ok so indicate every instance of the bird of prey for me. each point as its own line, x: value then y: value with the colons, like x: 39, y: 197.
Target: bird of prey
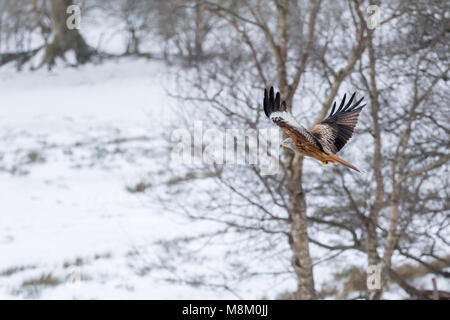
x: 326, y: 138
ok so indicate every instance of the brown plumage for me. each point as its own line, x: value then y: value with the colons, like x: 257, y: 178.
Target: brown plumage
x: 326, y: 138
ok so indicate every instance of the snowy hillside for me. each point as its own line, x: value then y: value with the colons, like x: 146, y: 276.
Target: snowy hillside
x: 71, y: 142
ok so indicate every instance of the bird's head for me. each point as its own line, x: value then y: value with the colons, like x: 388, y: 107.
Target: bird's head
x: 287, y: 143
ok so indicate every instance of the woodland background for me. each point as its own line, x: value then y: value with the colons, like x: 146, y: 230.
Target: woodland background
x: 86, y: 118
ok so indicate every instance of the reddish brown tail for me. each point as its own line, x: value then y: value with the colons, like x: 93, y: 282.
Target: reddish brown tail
x: 335, y: 158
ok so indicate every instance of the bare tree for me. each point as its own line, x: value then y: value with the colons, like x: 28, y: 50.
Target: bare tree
x: 17, y: 23
x: 185, y: 27
x: 135, y: 19
x: 64, y: 39
x: 318, y: 49
x: 273, y: 51
x: 409, y: 150
x: 46, y: 18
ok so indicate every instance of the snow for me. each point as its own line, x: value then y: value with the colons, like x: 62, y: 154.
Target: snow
x: 72, y: 140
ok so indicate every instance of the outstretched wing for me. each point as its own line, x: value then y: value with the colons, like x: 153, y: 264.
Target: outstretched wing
x: 334, y: 132
x: 275, y: 110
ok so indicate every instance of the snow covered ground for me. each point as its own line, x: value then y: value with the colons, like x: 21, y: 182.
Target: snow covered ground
x: 71, y: 141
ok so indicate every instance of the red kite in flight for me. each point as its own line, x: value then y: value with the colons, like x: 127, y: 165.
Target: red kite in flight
x: 325, y: 139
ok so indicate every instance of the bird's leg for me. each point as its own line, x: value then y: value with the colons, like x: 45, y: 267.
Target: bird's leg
x: 324, y: 162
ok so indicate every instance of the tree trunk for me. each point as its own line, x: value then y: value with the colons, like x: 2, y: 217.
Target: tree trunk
x: 64, y: 38
x: 198, y: 35
x: 391, y: 242
x: 133, y: 42
x: 298, y: 238
x: 372, y: 241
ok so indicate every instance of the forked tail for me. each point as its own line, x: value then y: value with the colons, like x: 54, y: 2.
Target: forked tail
x: 335, y: 158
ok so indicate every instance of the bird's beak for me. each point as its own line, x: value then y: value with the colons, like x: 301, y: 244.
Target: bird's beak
x: 283, y: 144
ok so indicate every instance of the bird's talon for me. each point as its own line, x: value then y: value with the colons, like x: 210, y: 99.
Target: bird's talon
x: 324, y: 163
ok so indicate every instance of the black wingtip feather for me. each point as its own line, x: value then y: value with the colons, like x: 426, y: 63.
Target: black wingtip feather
x: 348, y: 107
x: 359, y: 108
x: 350, y: 101
x: 277, y: 102
x: 272, y: 102
x: 356, y: 104
x: 271, y: 97
x: 266, y: 103
x: 342, y: 103
x: 332, y: 109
